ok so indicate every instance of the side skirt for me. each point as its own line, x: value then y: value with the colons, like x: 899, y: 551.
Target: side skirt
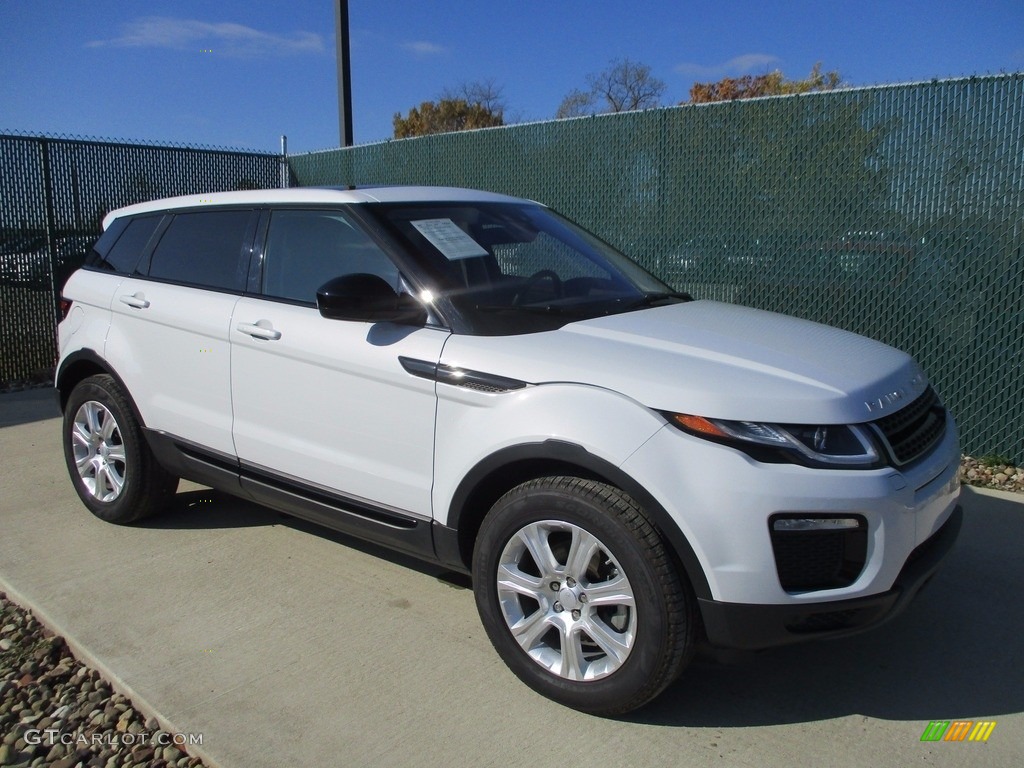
x: 387, y: 527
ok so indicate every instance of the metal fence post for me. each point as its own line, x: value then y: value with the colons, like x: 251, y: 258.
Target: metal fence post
x: 51, y: 231
x: 284, y: 162
x: 54, y: 193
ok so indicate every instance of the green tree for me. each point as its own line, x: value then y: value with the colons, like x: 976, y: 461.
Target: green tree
x: 470, y: 106
x: 769, y: 84
x: 624, y: 86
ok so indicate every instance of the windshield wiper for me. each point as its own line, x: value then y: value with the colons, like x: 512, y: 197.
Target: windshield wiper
x: 545, y: 309
x: 652, y: 298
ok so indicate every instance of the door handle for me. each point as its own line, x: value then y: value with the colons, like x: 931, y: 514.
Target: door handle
x: 138, y: 301
x: 261, y: 329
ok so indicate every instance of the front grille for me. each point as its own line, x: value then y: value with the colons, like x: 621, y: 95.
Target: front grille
x: 813, y: 560
x: 911, y: 432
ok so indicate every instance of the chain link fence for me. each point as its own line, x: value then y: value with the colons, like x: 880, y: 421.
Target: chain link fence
x: 54, y: 193
x: 896, y: 212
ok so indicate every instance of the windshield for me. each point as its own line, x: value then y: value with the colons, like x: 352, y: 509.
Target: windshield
x: 515, y: 267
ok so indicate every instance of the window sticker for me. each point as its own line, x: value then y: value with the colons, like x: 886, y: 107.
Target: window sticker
x: 449, y: 239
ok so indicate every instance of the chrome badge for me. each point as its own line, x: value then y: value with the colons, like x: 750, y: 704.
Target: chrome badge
x: 886, y: 400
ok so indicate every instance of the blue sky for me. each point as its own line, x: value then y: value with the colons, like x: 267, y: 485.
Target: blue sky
x: 240, y: 74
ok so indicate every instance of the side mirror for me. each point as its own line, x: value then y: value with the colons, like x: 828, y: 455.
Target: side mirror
x: 367, y: 298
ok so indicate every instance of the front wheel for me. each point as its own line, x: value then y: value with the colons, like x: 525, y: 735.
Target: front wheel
x: 579, y: 597
x: 110, y: 463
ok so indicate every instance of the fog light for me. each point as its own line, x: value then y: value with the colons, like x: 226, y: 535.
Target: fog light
x: 815, y: 523
x: 824, y: 552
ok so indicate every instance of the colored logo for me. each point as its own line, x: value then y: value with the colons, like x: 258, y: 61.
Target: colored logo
x: 958, y: 730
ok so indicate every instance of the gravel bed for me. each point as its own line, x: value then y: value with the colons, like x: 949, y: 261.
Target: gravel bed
x: 987, y: 473
x: 56, y: 712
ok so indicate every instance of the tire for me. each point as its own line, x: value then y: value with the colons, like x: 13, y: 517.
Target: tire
x: 579, y: 596
x: 110, y: 463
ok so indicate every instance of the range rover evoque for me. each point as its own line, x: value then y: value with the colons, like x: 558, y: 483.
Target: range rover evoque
x: 473, y: 379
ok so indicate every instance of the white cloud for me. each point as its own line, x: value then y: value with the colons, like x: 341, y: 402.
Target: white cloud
x: 739, y: 65
x: 225, y: 38
x: 424, y: 48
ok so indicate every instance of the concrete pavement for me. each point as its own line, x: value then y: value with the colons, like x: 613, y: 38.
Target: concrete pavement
x: 285, y: 644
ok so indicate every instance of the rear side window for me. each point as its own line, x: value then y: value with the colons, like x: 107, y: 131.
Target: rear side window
x: 305, y: 249
x: 204, y: 249
x: 122, y: 245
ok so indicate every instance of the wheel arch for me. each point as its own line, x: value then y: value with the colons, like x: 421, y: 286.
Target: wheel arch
x: 81, y: 365
x: 492, y: 477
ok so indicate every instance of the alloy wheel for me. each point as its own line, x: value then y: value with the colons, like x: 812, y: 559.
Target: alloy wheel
x: 99, y: 452
x: 566, y: 600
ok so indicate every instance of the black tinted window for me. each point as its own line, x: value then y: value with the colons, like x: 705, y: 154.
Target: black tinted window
x: 204, y: 249
x: 305, y: 249
x: 122, y: 244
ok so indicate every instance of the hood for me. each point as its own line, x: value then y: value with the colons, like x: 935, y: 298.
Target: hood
x: 710, y: 359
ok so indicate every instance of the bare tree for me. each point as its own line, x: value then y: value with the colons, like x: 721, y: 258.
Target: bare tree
x: 576, y: 104
x: 624, y: 86
x: 483, y: 93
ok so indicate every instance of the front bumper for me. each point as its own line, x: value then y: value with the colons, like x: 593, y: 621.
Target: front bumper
x: 723, y: 503
x: 750, y: 627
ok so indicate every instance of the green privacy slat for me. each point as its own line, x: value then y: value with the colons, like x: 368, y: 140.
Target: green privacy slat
x: 896, y: 212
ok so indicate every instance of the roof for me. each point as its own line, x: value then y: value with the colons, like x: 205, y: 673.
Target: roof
x: 314, y: 195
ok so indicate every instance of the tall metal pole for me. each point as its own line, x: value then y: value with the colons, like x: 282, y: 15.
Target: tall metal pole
x: 344, y: 73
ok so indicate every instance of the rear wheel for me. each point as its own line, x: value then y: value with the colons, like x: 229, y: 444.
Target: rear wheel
x: 110, y: 463
x: 579, y: 596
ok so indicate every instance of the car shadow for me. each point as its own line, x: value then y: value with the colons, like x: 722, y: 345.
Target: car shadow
x: 209, y: 509
x: 206, y: 508
x: 28, y: 405
x: 956, y: 652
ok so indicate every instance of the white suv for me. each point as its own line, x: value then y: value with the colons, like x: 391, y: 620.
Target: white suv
x: 473, y: 379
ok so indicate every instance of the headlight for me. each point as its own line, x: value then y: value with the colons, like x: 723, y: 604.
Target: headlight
x: 835, y: 445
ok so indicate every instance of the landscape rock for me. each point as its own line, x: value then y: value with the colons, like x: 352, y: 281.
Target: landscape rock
x: 988, y: 473
x: 43, y: 686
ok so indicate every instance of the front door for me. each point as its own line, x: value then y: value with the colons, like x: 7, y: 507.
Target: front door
x: 326, y: 404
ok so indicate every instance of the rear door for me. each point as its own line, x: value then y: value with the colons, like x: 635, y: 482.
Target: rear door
x: 169, y: 332
x: 324, y: 407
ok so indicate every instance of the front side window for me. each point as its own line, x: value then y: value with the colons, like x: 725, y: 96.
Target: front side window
x: 204, y: 249
x: 305, y: 249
